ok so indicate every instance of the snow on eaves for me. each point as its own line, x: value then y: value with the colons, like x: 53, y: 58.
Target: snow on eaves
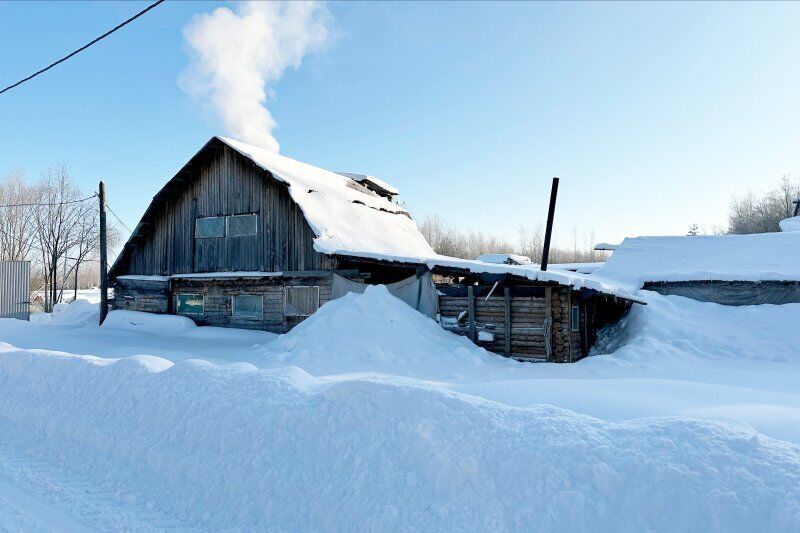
x: 531, y: 272
x: 509, y: 259
x: 756, y: 257
x: 345, y: 220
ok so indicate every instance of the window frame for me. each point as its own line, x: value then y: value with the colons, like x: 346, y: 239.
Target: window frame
x: 575, y: 319
x: 286, y: 290
x: 178, y: 304
x: 260, y: 316
x: 197, y: 225
x: 227, y: 225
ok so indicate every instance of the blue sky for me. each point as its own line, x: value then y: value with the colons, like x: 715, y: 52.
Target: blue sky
x: 653, y: 115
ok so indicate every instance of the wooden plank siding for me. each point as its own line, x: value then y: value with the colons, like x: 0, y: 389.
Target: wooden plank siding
x: 225, y: 184
x: 523, y: 336
x: 218, y: 296
x: 527, y: 319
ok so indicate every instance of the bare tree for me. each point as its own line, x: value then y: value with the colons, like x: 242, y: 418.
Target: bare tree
x: 469, y: 244
x: 16, y: 218
x: 751, y: 213
x: 58, y: 222
x: 87, y: 240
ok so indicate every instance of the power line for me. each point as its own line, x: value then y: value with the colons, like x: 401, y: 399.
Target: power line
x: 118, y: 219
x: 84, y: 47
x: 39, y: 249
x: 68, y: 202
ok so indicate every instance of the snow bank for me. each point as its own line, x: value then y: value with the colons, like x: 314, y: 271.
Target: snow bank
x: 233, y: 447
x: 674, y: 327
x: 77, y: 313
x: 149, y: 323
x: 376, y: 332
x: 790, y: 224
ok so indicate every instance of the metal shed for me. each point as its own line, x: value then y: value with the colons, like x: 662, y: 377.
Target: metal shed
x: 15, y: 278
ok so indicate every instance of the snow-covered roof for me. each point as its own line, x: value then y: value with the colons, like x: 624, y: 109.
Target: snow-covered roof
x: 756, y: 257
x: 790, y: 224
x: 532, y: 272
x: 346, y: 220
x: 582, y: 268
x: 372, y: 180
x: 509, y: 259
x: 605, y: 247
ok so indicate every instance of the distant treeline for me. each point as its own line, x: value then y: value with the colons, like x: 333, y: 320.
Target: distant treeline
x: 750, y: 213
x: 760, y: 213
x: 449, y: 240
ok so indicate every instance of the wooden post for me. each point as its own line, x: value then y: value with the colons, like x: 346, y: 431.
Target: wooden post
x: 103, y: 255
x: 471, y: 311
x: 507, y: 309
x: 549, y: 228
x: 548, y: 313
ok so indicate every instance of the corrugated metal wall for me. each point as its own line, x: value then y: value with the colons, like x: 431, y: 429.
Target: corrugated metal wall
x: 15, y: 278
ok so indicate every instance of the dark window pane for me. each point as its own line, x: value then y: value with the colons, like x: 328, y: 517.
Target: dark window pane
x: 191, y: 304
x: 248, y: 306
x: 242, y: 225
x: 301, y: 301
x: 209, y: 227
x: 576, y: 318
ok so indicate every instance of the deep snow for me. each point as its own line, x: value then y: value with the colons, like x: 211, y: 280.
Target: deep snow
x: 369, y: 416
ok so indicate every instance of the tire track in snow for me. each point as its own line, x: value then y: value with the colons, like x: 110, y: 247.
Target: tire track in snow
x: 34, y: 497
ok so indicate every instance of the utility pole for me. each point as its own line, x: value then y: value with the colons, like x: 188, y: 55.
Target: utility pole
x: 549, y: 229
x: 103, y: 255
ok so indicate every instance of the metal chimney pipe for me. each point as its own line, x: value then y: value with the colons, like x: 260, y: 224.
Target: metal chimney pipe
x: 549, y: 230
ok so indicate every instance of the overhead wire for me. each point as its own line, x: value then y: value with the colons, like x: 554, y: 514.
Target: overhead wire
x: 82, y: 48
x: 50, y: 204
x: 118, y: 219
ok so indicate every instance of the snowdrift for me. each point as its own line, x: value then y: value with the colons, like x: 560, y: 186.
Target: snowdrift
x: 674, y: 327
x: 376, y: 332
x: 149, y: 322
x: 234, y: 447
x: 77, y: 313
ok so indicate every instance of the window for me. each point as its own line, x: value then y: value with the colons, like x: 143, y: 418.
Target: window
x: 247, y: 306
x: 242, y: 225
x: 301, y: 301
x: 576, y: 318
x: 209, y: 227
x: 191, y: 304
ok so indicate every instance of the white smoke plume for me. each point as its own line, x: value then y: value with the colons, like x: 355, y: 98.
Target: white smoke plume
x: 237, y: 55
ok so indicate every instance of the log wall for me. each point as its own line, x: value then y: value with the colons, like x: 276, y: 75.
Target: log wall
x: 161, y: 297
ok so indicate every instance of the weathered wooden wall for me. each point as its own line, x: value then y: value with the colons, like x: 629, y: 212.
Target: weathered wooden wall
x: 157, y: 297
x: 219, y: 293
x: 141, y: 295
x: 224, y: 183
x: 528, y: 312
x: 731, y: 292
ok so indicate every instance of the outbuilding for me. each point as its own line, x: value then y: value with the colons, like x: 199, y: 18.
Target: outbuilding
x: 244, y: 237
x: 761, y: 268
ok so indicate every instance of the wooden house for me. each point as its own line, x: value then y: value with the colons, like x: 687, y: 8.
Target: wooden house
x: 243, y: 237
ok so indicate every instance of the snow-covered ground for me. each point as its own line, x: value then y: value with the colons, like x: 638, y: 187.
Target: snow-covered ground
x: 370, y: 416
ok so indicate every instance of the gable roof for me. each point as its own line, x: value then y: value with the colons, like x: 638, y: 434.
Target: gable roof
x: 756, y: 257
x: 345, y: 217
